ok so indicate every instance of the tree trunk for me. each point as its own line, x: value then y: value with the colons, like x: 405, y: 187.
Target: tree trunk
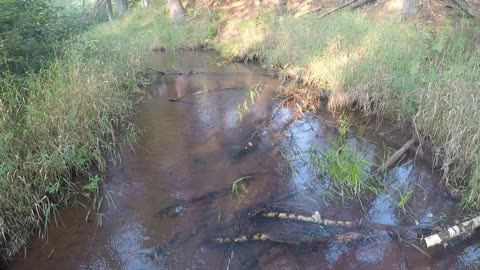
x: 122, y: 7
x: 144, y: 3
x: 410, y: 8
x: 98, y: 3
x: 177, y: 12
x: 109, y: 10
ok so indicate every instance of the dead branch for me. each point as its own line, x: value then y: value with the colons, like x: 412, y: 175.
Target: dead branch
x: 468, y: 226
x: 397, y: 155
x: 466, y: 8
x: 338, y: 8
x: 179, y: 100
x: 362, y: 3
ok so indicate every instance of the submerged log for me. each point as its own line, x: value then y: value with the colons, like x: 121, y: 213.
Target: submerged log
x: 468, y: 226
x: 160, y: 73
x: 346, y: 237
x: 178, y: 208
x: 315, y: 218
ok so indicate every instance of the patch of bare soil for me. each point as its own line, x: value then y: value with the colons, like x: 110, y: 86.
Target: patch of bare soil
x: 429, y: 12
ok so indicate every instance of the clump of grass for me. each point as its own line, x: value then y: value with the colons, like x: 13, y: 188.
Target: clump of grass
x: 238, y: 187
x: 401, y: 198
x: 348, y: 171
x: 57, y: 123
x: 344, y: 126
x: 250, y: 99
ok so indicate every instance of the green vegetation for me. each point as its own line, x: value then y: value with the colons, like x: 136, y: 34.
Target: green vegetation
x: 32, y: 32
x: 237, y: 186
x: 57, y: 122
x: 348, y: 170
x: 393, y: 69
x: 403, y: 199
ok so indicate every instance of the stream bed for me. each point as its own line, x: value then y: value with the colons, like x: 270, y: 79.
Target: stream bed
x: 222, y: 148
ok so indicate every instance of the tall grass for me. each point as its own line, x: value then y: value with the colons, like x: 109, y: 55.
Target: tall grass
x: 393, y: 70
x: 59, y: 122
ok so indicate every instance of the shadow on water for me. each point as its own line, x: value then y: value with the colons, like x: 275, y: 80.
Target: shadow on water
x: 204, y: 141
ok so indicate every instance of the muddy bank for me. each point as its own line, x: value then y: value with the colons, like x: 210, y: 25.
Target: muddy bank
x: 211, y: 139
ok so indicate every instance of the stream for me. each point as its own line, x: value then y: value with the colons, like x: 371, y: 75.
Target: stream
x: 173, y: 191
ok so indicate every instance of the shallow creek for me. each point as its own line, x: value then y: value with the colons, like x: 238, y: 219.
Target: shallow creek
x: 204, y: 142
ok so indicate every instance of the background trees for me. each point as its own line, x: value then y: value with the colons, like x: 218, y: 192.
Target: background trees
x: 32, y: 31
x: 177, y: 12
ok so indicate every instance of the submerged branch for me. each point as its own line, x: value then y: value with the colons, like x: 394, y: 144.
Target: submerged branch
x: 177, y: 208
x: 194, y: 72
x: 395, y: 157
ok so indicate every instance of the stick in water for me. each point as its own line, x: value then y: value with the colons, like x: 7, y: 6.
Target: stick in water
x: 397, y: 155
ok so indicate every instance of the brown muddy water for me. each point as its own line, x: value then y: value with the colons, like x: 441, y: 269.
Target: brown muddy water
x: 201, y: 145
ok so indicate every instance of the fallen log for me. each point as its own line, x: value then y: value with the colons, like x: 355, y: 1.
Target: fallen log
x: 409, y: 233
x: 362, y: 3
x: 338, y: 8
x: 468, y: 226
x: 396, y: 156
x: 466, y: 8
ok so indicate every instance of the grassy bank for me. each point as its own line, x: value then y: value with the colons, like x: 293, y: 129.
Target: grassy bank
x: 392, y: 70
x: 59, y: 122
